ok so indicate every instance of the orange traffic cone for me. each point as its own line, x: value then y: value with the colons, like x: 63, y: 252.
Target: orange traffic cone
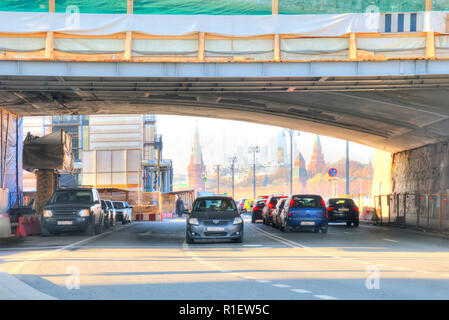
x: 20, y: 230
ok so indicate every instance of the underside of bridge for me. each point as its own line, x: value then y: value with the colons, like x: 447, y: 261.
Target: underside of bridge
x: 392, y: 113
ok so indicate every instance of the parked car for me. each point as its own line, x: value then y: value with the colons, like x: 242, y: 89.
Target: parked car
x: 130, y: 211
x: 343, y: 210
x: 214, y: 217
x: 256, y: 212
x: 268, y: 209
x: 73, y: 209
x: 304, y: 211
x: 122, y: 211
x: 241, y: 204
x: 276, y: 214
x: 109, y: 213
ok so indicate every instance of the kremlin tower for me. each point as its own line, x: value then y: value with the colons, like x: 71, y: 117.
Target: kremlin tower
x: 196, y: 169
x: 317, y: 164
x: 300, y: 164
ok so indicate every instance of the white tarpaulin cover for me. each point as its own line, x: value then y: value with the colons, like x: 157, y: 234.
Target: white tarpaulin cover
x: 229, y: 25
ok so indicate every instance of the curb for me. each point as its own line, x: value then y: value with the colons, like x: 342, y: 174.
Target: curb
x: 12, y: 288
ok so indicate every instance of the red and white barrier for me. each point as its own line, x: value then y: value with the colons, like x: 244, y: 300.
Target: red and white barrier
x: 28, y: 226
x: 369, y: 214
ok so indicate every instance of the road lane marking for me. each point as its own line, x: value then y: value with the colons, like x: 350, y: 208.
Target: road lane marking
x: 280, y: 285
x: 390, y: 240
x: 301, y: 291
x: 263, y: 281
x: 18, y: 269
x: 324, y: 297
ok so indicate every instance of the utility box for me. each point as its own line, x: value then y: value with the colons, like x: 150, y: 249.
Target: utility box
x: 50, y: 152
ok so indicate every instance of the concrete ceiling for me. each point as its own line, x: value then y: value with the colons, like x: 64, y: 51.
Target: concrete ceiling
x: 392, y: 113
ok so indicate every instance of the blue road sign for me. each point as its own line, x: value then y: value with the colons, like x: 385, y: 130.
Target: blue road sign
x: 332, y: 172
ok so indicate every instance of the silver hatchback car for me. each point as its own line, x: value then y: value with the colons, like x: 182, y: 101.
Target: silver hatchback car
x: 214, y: 217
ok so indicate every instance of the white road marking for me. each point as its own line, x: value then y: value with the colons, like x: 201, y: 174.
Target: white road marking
x: 324, y: 297
x: 263, y: 281
x: 395, y: 241
x: 19, y: 267
x: 280, y: 285
x: 301, y: 291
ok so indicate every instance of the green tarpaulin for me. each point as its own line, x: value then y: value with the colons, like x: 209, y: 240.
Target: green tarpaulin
x: 224, y: 7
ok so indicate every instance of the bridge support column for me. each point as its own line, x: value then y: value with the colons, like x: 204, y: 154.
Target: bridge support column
x: 46, y: 183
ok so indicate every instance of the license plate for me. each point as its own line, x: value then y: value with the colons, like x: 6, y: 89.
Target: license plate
x: 65, y: 223
x: 343, y: 210
x: 307, y: 223
x: 215, y: 229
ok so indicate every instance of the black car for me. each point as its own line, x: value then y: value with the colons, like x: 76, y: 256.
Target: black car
x: 343, y: 210
x: 256, y: 212
x: 214, y: 217
x: 267, y: 213
x: 73, y: 209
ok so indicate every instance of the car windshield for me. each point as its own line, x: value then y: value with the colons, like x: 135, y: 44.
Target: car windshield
x: 71, y: 196
x: 341, y: 203
x: 306, y: 202
x: 118, y: 205
x: 214, y: 205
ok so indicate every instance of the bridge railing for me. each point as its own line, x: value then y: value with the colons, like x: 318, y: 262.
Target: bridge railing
x: 408, y: 39
x: 417, y: 210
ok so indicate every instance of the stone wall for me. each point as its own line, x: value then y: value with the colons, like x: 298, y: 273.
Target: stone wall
x: 423, y: 170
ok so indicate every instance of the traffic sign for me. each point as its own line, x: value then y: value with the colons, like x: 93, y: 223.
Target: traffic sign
x: 332, y: 172
x: 204, y: 179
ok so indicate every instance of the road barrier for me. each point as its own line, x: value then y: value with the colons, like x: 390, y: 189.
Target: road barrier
x: 28, y: 226
x: 148, y: 217
x: 422, y: 211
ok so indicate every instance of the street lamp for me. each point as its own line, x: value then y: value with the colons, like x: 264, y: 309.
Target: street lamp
x: 254, y: 150
x: 291, y: 132
x: 233, y: 160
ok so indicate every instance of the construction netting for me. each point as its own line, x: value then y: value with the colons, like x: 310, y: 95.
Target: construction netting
x: 11, y: 157
x: 220, y: 7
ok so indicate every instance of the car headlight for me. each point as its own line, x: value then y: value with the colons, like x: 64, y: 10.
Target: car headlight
x: 48, y: 213
x: 193, y: 221
x: 238, y: 220
x: 84, y: 213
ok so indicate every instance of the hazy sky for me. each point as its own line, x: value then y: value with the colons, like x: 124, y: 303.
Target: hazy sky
x: 221, y: 138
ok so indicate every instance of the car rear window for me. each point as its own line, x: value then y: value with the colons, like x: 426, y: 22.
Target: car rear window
x: 341, y: 203
x: 214, y: 205
x: 71, y: 196
x: 118, y: 205
x: 306, y: 202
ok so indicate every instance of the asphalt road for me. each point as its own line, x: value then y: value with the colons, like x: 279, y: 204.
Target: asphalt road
x: 150, y: 260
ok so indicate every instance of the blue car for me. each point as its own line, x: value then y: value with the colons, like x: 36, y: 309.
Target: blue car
x: 304, y: 212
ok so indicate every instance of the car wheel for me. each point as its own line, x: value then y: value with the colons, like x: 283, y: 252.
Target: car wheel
x: 99, y: 227
x: 253, y: 219
x: 348, y: 224
x: 324, y: 230
x: 44, y: 231
x: 189, y: 240
x: 90, y: 230
x: 239, y: 240
x: 356, y: 223
x: 123, y: 220
x: 287, y: 228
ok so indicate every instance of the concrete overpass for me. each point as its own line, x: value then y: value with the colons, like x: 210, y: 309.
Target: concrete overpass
x: 376, y: 78
x: 390, y: 105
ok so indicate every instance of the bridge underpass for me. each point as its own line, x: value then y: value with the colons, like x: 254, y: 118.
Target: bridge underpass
x: 355, y: 101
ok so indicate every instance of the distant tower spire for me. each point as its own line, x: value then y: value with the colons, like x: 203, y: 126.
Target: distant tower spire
x: 317, y: 163
x: 196, y: 169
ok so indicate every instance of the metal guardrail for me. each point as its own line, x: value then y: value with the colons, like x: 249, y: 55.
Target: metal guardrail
x: 423, y: 211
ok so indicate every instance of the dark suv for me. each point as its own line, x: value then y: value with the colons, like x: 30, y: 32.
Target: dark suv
x: 73, y: 209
